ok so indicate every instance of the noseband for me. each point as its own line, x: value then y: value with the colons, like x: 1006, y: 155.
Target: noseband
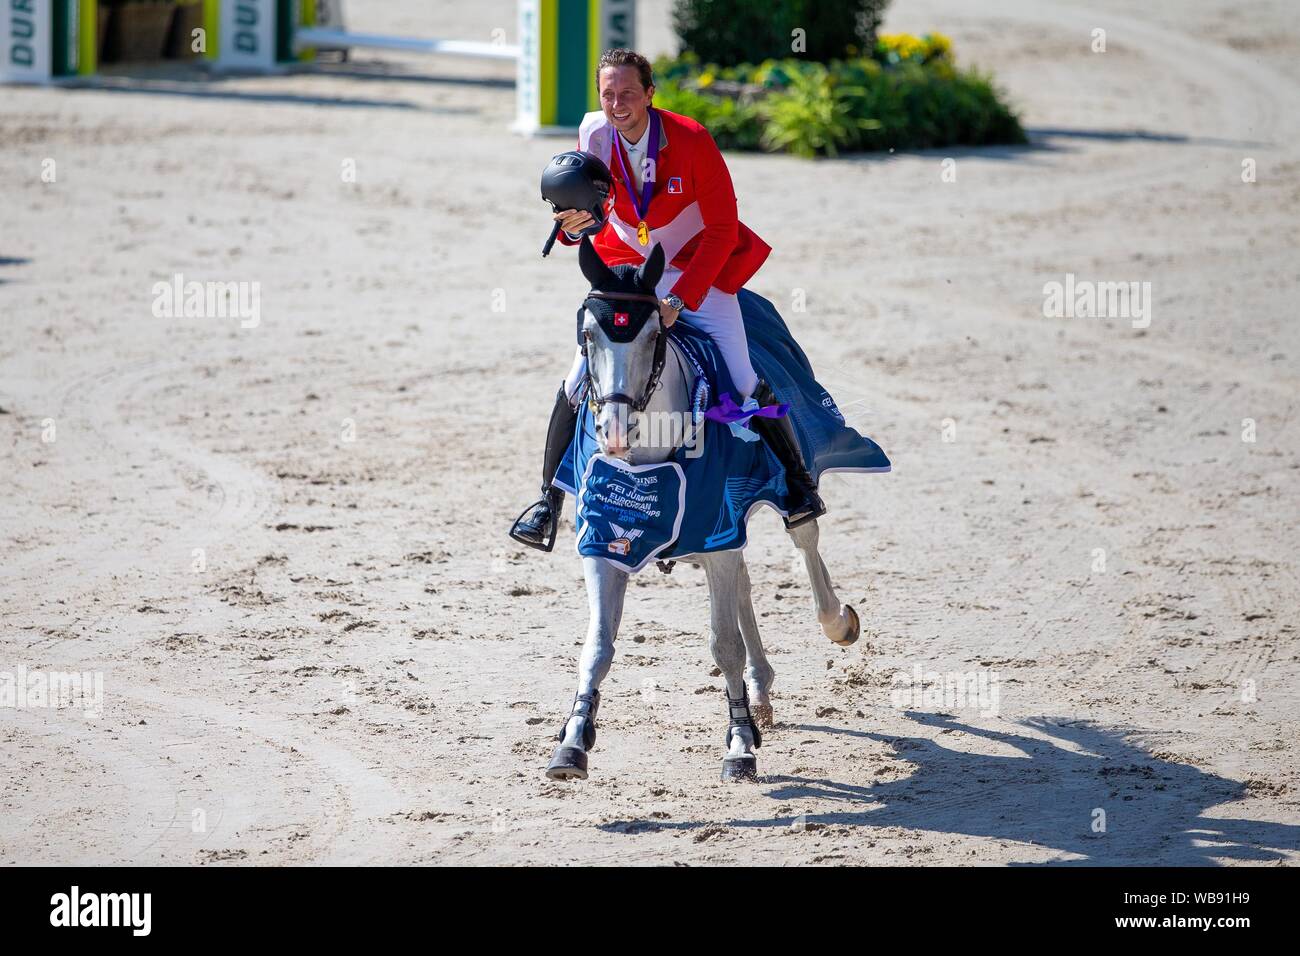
x: 597, y: 402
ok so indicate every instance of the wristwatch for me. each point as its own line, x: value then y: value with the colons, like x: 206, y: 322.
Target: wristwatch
x: 675, y: 302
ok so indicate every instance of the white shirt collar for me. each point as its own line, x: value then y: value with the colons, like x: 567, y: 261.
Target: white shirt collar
x: 631, y: 146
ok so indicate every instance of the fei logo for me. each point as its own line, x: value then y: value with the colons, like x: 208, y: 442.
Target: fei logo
x: 103, y: 909
x: 828, y: 403
x: 675, y: 185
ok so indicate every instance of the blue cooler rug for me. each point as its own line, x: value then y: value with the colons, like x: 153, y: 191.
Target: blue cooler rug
x: 694, y: 503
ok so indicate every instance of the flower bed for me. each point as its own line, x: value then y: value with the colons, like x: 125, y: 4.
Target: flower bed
x: 908, y: 95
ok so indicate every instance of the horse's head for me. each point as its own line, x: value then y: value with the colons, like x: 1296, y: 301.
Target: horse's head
x: 624, y: 342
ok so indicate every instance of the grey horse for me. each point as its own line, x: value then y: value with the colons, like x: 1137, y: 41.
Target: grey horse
x: 630, y: 382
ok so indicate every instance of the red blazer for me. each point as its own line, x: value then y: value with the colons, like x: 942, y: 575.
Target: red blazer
x: 692, y: 210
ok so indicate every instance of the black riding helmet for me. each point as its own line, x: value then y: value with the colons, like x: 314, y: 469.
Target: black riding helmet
x: 578, y: 180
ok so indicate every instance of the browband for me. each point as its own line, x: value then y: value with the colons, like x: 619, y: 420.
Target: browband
x: 633, y: 296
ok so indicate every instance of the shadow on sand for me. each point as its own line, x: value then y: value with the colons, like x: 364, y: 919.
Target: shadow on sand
x: 11, y: 261
x: 1045, y: 141
x: 1044, y: 795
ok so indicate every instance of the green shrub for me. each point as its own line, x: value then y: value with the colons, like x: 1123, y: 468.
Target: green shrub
x: 733, y: 123
x: 750, y: 31
x: 912, y: 97
x: 814, y: 115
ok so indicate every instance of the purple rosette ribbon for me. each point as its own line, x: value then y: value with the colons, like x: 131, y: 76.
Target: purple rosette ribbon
x: 734, y: 416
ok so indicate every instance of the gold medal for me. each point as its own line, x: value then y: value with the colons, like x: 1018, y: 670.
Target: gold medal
x: 643, y: 233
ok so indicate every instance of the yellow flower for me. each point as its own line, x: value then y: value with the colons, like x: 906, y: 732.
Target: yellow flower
x: 905, y: 45
x: 939, y: 44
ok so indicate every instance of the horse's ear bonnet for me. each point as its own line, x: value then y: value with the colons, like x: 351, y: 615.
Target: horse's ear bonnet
x: 621, y: 319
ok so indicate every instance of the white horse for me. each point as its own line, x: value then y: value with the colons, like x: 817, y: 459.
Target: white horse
x: 628, y: 382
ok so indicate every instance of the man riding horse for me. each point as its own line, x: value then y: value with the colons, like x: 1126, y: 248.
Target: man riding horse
x: 673, y: 190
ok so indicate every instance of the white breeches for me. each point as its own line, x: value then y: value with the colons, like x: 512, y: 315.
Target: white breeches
x: 718, y: 317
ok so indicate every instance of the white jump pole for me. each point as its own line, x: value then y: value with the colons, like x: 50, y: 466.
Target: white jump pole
x: 328, y: 37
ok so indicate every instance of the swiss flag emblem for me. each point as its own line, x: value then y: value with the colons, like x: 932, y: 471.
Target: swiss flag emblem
x: 620, y: 320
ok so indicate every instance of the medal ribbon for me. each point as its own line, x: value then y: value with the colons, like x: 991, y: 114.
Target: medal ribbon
x: 641, y: 204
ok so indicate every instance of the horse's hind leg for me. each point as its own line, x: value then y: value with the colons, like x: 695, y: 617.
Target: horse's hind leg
x: 839, y: 621
x: 758, y: 672
x: 723, y: 571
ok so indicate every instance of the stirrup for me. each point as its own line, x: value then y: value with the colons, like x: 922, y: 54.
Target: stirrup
x: 814, y: 510
x: 584, y: 706
x: 545, y: 542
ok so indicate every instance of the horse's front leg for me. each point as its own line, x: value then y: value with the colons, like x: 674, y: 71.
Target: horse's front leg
x: 606, y: 588
x: 839, y: 621
x: 723, y: 570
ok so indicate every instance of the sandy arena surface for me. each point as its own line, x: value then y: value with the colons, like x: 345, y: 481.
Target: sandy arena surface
x: 368, y: 671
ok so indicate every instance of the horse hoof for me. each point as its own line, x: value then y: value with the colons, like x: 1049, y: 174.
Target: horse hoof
x: 854, y: 632
x: 740, y: 769
x: 568, y: 763
x: 762, y: 714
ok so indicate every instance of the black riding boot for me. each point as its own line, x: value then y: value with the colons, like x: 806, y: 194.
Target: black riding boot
x: 778, y: 434
x: 538, y: 525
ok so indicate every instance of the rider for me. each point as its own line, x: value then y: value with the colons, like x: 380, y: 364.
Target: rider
x: 673, y: 188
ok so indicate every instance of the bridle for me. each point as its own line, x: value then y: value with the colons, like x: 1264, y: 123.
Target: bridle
x: 597, y: 402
